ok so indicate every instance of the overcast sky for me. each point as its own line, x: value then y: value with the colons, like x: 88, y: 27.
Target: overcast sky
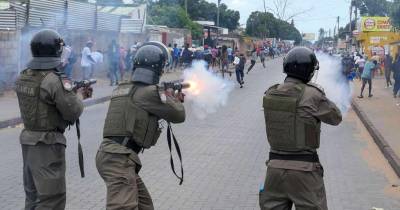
x: 322, y: 15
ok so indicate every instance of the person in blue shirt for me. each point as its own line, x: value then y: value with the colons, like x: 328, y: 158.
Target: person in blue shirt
x: 175, y: 56
x: 366, y: 77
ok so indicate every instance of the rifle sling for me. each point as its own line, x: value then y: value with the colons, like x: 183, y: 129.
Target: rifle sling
x: 80, y: 151
x: 178, y: 151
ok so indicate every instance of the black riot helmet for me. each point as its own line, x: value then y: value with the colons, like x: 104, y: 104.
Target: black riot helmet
x: 47, y: 43
x: 46, y: 48
x: 300, y: 63
x: 149, y: 61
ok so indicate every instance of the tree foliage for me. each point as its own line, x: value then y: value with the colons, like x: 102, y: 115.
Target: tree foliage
x: 395, y: 14
x: 263, y: 25
x: 373, y: 7
x: 203, y: 10
x: 173, y: 17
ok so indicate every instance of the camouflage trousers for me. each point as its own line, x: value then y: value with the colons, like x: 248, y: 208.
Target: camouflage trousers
x: 125, y: 188
x: 284, y: 188
x: 44, y: 176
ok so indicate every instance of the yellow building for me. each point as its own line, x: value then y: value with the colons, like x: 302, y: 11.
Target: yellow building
x: 377, y: 36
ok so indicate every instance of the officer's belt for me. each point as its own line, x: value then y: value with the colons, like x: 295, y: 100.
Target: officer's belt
x: 127, y: 142
x: 303, y: 157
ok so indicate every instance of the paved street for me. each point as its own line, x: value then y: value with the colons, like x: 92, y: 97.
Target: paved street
x: 224, y: 160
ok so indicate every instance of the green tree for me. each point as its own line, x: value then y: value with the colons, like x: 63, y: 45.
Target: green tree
x: 263, y: 25
x: 174, y: 17
x: 204, y: 10
x: 395, y: 14
x: 373, y: 7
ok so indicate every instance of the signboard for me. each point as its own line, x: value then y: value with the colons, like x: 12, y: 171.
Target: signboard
x: 375, y: 24
x: 308, y: 36
x: 377, y: 39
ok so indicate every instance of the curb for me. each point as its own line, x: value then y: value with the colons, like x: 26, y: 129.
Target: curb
x: 15, y: 121
x: 387, y: 151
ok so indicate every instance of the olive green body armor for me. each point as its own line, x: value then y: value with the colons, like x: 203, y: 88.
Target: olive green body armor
x: 286, y: 131
x: 35, y: 113
x: 125, y: 118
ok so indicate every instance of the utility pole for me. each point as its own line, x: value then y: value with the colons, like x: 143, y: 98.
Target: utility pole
x: 350, y: 25
x: 265, y: 8
x: 186, y: 7
x: 219, y: 2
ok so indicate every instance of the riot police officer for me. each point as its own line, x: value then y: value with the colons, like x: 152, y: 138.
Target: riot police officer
x: 132, y: 124
x: 293, y: 112
x: 48, y: 106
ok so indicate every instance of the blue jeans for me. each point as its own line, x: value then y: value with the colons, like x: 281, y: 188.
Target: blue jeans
x: 68, y: 71
x: 396, y: 87
x: 114, y: 74
x: 86, y: 72
x: 239, y: 75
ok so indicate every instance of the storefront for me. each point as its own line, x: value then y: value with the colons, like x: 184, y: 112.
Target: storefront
x: 376, y: 35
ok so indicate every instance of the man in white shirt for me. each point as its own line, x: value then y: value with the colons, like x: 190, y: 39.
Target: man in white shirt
x: 87, y: 61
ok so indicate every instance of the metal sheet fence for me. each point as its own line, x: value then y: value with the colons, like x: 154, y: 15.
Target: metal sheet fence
x: 81, y: 16
x: 67, y: 14
x: 8, y: 20
x: 108, y: 22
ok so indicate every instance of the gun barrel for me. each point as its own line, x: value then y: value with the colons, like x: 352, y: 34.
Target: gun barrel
x: 185, y: 85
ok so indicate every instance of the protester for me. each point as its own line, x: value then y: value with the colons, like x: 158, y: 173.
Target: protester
x: 271, y: 52
x: 377, y: 58
x: 224, y: 59
x: 122, y: 65
x: 239, y: 63
x: 175, y: 56
x: 360, y: 63
x: 186, y: 56
x: 230, y: 54
x: 87, y: 61
x: 129, y: 57
x: 367, y: 77
x: 207, y: 56
x: 396, y: 72
x: 214, y: 53
x: 68, y: 59
x: 253, y: 60
x: 262, y: 57
x: 388, y: 70
x: 113, y: 59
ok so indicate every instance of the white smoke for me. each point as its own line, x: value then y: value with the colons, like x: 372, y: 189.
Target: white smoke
x: 207, y: 91
x: 337, y: 88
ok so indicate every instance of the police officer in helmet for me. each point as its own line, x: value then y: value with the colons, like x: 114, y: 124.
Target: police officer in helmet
x: 132, y: 125
x: 48, y: 105
x: 293, y: 113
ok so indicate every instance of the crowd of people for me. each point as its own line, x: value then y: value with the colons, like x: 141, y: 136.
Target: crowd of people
x: 366, y: 68
x: 219, y: 59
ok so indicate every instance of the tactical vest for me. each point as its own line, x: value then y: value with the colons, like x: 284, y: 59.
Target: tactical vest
x: 286, y: 131
x: 35, y: 113
x: 125, y: 118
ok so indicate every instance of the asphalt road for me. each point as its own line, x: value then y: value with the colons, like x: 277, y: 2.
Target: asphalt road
x: 224, y: 159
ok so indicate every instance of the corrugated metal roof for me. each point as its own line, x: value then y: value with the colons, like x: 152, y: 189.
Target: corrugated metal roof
x: 81, y: 15
x: 40, y: 18
x: 21, y: 14
x: 55, y: 6
x: 7, y: 20
x: 131, y: 25
x: 108, y: 22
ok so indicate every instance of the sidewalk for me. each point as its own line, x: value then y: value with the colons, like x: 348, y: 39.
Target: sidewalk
x: 9, y: 110
x: 381, y: 115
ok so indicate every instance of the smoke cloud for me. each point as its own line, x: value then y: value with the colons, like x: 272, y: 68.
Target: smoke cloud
x: 207, y: 91
x: 337, y: 88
